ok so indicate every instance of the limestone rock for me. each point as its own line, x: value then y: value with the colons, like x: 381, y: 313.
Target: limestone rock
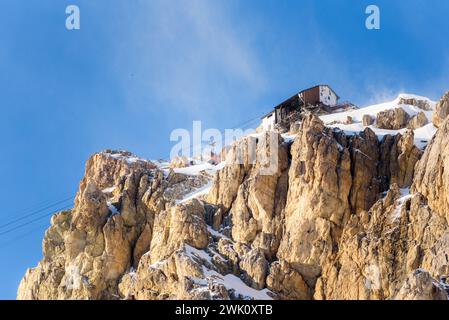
x: 227, y: 181
x: 287, y: 282
x: 365, y: 187
x: 349, y: 120
x: 316, y: 219
x: 107, y: 169
x: 367, y: 120
x: 179, y: 162
x: 393, y: 119
x: 255, y: 266
x: 329, y: 216
x: 431, y: 180
x: 380, y: 249
x: 398, y: 157
x: 87, y: 249
x: 420, y: 286
x: 173, y: 277
x: 420, y: 103
x: 317, y: 201
x: 408, y: 156
x: 418, y: 121
x: 181, y: 224
x: 363, y: 267
x: 252, y: 193
x: 441, y: 110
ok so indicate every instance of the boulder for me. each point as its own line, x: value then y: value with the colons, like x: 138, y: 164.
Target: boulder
x: 349, y: 120
x: 255, y: 266
x: 367, y: 120
x: 420, y: 103
x: 417, y: 121
x: 393, y: 119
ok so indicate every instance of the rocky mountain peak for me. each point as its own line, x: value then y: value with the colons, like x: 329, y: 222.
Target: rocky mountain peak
x: 345, y: 215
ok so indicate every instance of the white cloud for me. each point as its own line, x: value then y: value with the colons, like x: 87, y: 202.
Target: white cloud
x: 187, y: 53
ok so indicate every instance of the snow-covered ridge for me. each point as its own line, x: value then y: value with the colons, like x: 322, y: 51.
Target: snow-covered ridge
x: 123, y: 156
x: 336, y: 120
x: 422, y: 135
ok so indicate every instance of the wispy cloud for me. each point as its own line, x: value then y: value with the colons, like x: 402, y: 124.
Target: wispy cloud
x: 188, y: 54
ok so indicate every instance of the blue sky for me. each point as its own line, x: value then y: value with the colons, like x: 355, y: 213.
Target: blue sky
x: 139, y: 69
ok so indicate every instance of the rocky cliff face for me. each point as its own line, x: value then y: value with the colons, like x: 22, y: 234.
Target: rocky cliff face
x: 342, y: 216
x: 441, y: 110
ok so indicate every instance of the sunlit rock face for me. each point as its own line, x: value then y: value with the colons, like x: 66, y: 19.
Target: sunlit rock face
x: 343, y: 215
x: 441, y: 110
x: 394, y: 119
